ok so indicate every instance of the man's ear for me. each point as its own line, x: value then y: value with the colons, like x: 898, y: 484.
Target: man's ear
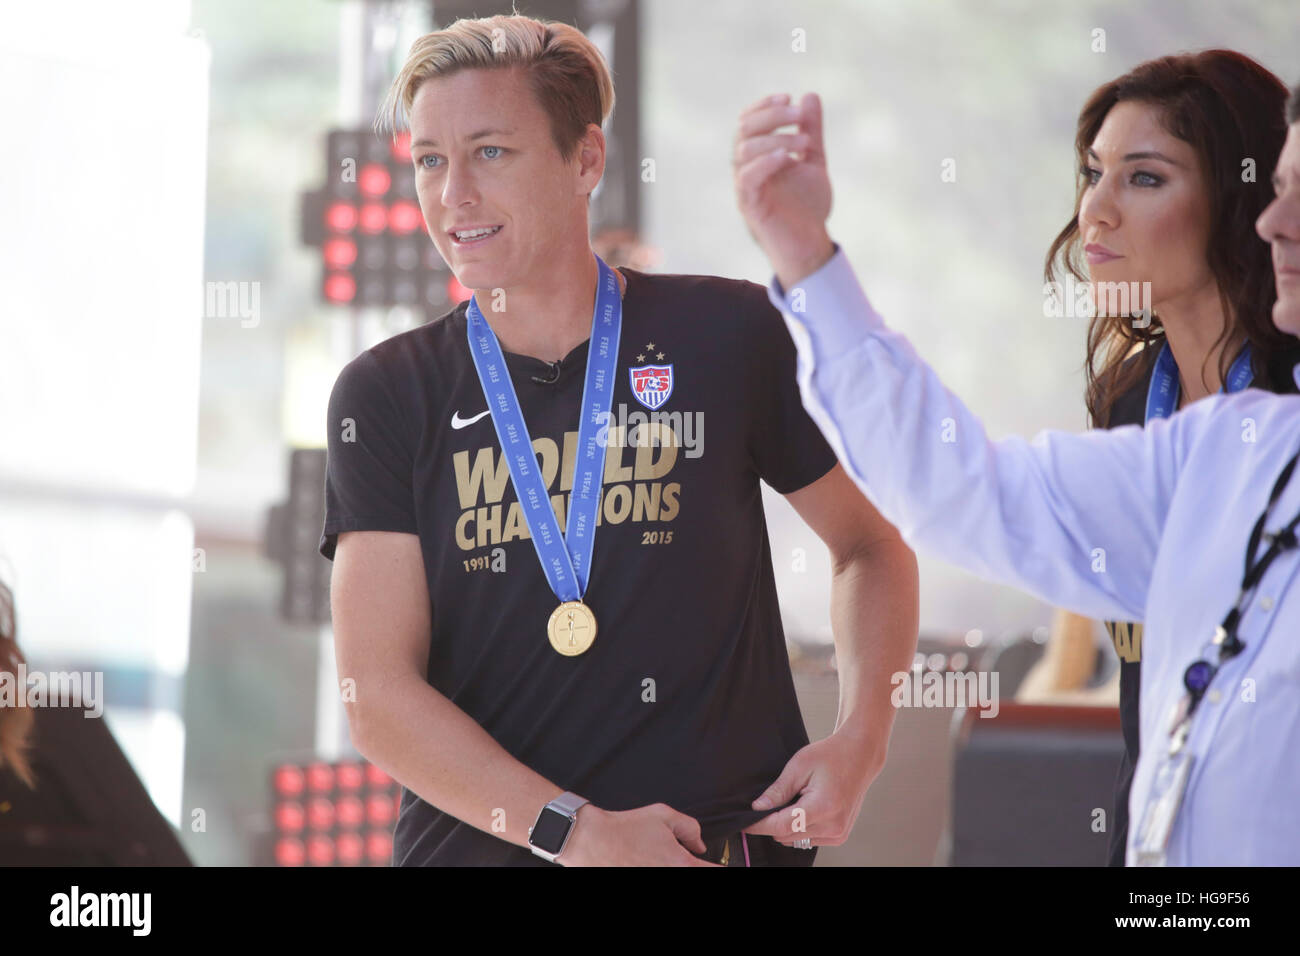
x: 591, y: 155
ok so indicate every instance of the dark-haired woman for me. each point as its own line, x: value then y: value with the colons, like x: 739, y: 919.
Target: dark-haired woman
x: 1197, y: 515
x: 15, y: 722
x: 1175, y: 159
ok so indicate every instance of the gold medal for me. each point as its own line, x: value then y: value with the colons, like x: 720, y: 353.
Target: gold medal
x: 572, y: 628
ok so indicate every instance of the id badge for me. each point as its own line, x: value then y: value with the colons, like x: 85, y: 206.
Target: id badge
x: 1162, y: 808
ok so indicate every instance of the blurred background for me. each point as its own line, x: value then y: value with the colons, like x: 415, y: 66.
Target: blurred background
x: 181, y: 280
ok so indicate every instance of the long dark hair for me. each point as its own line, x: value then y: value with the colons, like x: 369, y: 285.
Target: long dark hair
x: 1229, y: 109
x: 15, y: 722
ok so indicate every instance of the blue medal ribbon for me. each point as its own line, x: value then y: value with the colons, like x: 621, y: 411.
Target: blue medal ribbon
x: 1162, y: 393
x: 565, y: 558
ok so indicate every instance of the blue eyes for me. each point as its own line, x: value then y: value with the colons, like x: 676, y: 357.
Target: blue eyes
x: 1139, y: 178
x: 423, y: 161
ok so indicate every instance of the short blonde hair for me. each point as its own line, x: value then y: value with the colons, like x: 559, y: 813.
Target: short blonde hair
x: 565, y: 71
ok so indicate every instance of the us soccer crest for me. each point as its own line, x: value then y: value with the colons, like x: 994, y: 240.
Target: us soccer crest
x: 652, y: 384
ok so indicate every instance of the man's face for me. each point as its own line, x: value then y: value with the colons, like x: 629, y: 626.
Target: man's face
x: 484, y: 157
x: 1279, y: 225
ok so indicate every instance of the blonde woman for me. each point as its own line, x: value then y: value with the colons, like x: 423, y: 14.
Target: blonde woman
x: 545, y: 696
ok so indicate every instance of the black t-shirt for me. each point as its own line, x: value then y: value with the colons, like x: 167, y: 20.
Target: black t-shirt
x: 686, y: 696
x: 1130, y: 408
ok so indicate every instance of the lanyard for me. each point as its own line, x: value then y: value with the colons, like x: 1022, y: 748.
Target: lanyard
x: 1198, y: 675
x: 566, y: 561
x: 1162, y: 393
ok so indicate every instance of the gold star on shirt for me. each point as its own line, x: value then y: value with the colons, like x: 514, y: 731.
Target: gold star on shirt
x: 640, y: 358
x: 659, y: 356
x: 650, y: 347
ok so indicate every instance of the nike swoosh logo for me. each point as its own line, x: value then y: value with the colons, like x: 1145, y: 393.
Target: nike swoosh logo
x: 458, y: 422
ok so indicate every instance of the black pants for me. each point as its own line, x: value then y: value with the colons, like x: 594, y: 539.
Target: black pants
x: 762, y: 851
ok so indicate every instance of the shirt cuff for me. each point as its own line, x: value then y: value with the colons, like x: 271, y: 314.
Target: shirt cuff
x: 830, y: 307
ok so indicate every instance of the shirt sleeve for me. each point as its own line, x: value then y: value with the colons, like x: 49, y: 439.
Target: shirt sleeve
x: 787, y: 448
x: 1074, y: 519
x: 368, y: 462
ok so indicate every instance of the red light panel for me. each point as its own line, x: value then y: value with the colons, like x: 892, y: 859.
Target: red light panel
x: 341, y: 216
x: 289, y: 817
x: 350, y: 776
x: 320, y: 850
x: 351, y: 849
x: 351, y: 812
x: 289, y: 852
x: 340, y: 287
x: 374, y: 241
x: 374, y: 218
x: 400, y: 147
x: 339, y: 253
x: 404, y: 217
x: 320, y: 813
x: 379, y: 810
x: 320, y: 778
x: 288, y: 781
x: 345, y: 820
x: 374, y: 180
x: 379, y: 848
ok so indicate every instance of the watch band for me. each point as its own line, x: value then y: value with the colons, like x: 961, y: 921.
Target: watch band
x: 568, y: 804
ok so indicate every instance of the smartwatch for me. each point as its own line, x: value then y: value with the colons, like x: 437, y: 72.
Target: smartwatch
x: 548, y: 836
